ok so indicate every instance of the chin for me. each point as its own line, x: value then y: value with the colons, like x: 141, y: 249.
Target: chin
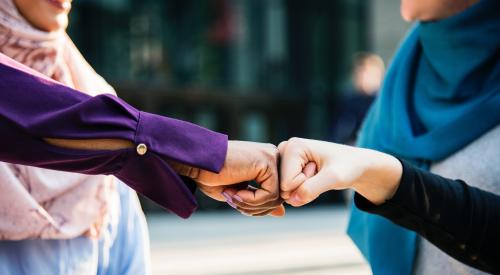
x: 57, y: 24
x: 407, y: 12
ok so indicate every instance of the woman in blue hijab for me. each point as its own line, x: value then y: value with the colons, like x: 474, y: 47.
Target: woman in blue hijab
x: 441, y: 95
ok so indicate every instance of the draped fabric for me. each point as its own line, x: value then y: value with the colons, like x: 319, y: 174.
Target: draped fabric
x: 40, y: 203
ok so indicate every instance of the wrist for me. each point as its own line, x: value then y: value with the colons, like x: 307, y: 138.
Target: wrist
x: 191, y: 172
x: 380, y: 179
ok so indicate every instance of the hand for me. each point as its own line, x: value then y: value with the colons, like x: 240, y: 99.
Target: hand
x: 245, y: 161
x: 311, y: 167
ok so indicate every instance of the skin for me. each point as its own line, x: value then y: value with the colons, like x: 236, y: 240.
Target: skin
x: 91, y: 144
x: 368, y: 74
x: 311, y: 167
x: 44, y: 15
x: 308, y: 168
x: 430, y: 10
x: 245, y: 161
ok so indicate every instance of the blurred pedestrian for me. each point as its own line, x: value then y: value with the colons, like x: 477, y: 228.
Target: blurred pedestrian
x: 353, y: 104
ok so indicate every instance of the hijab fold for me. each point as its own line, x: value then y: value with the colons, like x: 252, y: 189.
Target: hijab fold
x: 40, y: 203
x: 441, y: 93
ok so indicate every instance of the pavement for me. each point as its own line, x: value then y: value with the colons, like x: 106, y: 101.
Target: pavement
x: 308, y: 241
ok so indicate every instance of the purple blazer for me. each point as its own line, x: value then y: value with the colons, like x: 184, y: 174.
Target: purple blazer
x: 33, y: 107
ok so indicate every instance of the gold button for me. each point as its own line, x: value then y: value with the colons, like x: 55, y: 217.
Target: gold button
x: 142, y: 149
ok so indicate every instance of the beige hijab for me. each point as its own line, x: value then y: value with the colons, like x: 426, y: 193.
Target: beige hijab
x: 40, y: 203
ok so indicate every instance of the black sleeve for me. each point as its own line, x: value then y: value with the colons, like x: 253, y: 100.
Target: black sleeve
x: 461, y: 220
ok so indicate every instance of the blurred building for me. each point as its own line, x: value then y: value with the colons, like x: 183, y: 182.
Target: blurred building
x: 257, y: 70
x: 387, y: 28
x: 274, y: 48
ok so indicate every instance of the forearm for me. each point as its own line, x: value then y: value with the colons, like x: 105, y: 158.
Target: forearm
x: 34, y: 108
x: 188, y: 171
x: 461, y: 220
x: 91, y: 144
x: 380, y: 178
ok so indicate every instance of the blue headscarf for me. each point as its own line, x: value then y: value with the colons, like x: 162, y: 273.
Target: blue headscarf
x: 441, y: 92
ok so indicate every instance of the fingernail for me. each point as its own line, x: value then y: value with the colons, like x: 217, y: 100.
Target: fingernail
x: 238, y: 198
x: 231, y: 204
x: 295, y: 199
x: 251, y: 188
x: 228, y: 198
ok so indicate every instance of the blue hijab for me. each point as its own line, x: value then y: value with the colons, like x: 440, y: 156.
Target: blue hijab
x: 441, y: 92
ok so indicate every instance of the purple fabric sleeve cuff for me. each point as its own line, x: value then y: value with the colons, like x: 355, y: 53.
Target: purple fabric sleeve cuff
x: 151, y: 176
x: 182, y: 141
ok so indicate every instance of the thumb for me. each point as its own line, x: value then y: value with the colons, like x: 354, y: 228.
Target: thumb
x: 310, y: 169
x: 311, y: 189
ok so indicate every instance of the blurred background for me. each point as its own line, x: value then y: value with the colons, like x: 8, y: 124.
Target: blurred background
x: 260, y: 70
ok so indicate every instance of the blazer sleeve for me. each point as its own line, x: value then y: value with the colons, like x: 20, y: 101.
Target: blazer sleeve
x: 33, y: 107
x: 461, y: 220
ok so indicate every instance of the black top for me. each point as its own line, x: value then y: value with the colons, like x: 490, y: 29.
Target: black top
x: 461, y: 220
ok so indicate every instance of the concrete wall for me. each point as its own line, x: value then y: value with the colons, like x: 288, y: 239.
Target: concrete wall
x: 388, y: 28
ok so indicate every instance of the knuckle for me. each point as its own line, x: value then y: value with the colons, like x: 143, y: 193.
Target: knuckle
x: 285, y: 187
x: 304, y: 195
x: 282, y: 144
x: 271, y: 158
x: 274, y: 196
x: 272, y: 153
x: 276, y: 153
x: 271, y: 146
x: 266, y: 157
x: 261, y: 165
x: 295, y: 142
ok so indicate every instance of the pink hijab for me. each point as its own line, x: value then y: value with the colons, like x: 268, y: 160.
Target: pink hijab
x: 40, y: 203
